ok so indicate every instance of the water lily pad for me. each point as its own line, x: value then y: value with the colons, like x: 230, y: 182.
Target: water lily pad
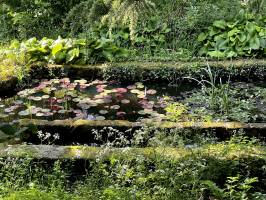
x: 131, y: 87
x: 99, y: 96
x: 73, y: 95
x: 99, y: 101
x: 92, y: 104
x: 53, y: 88
x: 142, y: 112
x: 139, y: 85
x: 103, y: 112
x: 125, y: 101
x: 3, y: 115
x: 145, y: 111
x: 45, y: 97
x: 147, y: 106
x: 24, y: 113
x: 76, y: 100
x: 37, y: 99
x: 83, y: 106
x: 151, y: 91
x: 82, y: 81
x: 146, y: 120
x: 115, y: 107
x: 143, y: 102
x: 62, y: 111
x: 100, y: 118
x: 39, y: 114
x: 8, y: 110
x: 141, y: 96
x: 46, y: 110
x: 135, y: 91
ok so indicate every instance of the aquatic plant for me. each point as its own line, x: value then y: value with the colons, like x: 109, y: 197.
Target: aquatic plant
x: 80, y: 99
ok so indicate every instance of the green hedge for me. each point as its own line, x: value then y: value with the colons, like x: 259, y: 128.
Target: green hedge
x: 175, y: 72
x: 168, y: 72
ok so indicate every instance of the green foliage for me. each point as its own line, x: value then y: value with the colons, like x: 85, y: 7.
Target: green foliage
x: 176, y: 112
x: 156, y: 28
x: 70, y: 51
x: 242, y: 38
x: 40, y: 18
x: 127, y: 12
x: 204, y: 168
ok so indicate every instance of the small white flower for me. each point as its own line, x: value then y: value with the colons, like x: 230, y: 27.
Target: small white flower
x: 47, y: 135
x: 56, y: 136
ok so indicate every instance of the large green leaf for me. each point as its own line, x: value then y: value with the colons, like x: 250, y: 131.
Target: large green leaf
x: 242, y: 37
x: 202, y: 37
x: 57, y: 48
x: 254, y: 43
x: 250, y: 27
x: 220, y: 24
x: 72, y: 54
x: 234, y: 31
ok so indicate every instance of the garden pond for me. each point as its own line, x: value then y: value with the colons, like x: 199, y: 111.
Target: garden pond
x: 59, y: 99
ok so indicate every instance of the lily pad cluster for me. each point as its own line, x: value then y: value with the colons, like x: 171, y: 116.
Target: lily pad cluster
x: 79, y: 99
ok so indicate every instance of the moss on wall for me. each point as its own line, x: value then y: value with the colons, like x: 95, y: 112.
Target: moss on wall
x: 221, y: 151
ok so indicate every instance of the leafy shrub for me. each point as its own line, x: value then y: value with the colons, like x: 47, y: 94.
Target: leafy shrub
x: 42, y: 18
x: 245, y: 37
x: 69, y: 51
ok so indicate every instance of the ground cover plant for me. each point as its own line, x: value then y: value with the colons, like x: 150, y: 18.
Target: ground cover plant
x: 197, y: 172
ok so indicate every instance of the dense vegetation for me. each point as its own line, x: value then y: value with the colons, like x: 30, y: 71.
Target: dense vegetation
x: 147, y: 27
x: 195, y: 64
x: 208, y: 169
